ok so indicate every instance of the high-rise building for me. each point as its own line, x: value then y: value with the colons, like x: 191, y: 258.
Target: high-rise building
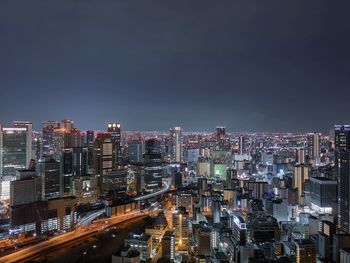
x: 342, y: 165
x: 48, y: 136
x: 104, y: 154
x: 153, y: 165
x: 135, y: 151
x: 115, y: 130
x: 300, y: 156
x: 176, y: 144
x: 90, y: 139
x: 74, y: 163
x: 323, y: 193
x: 29, y: 126
x: 180, y: 225
x: 301, y: 174
x: 15, y: 150
x: 241, y: 144
x: 313, y: 146
x: 26, y: 189
x: 49, y: 171
x: 168, y: 246
x: 15, y: 154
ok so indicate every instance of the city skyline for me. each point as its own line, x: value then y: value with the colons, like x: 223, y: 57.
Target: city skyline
x: 263, y: 67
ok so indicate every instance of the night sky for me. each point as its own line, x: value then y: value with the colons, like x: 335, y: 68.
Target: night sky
x: 151, y: 65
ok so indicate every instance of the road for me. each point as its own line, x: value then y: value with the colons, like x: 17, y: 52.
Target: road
x: 97, y: 247
x: 165, y: 189
x: 63, y: 240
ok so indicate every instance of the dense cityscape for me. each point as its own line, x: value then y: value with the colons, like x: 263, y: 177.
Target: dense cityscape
x: 69, y: 195
x: 174, y: 131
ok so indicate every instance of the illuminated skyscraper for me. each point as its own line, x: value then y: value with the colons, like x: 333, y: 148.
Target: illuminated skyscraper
x: 29, y: 126
x: 176, y: 144
x: 342, y: 165
x: 300, y: 156
x: 313, y: 146
x: 135, y: 151
x: 104, y: 154
x: 153, y: 165
x: 301, y: 174
x: 180, y: 225
x: 15, y: 154
x: 115, y: 130
x: 50, y: 173
x: 241, y: 144
x: 90, y: 139
x: 48, y: 136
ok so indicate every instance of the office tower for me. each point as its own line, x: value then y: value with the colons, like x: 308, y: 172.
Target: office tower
x: 168, y: 246
x: 342, y: 165
x: 176, y: 144
x: 49, y: 171
x: 104, y: 154
x: 135, y: 151
x: 29, y: 126
x: 48, y: 136
x: 90, y: 139
x: 15, y: 150
x: 26, y: 189
x: 15, y: 154
x: 74, y: 163
x: 180, y: 225
x: 301, y: 174
x: 323, y: 193
x: 220, y: 132
x: 241, y: 144
x: 216, y: 211
x: 239, y: 231
x: 305, y: 251
x: 115, y: 130
x: 153, y: 165
x: 313, y: 146
x: 300, y: 156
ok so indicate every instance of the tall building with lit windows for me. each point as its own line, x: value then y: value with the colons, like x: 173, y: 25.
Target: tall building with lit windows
x: 313, y: 146
x: 104, y: 154
x: 48, y: 136
x: 180, y: 225
x: 342, y: 165
x: 115, y: 130
x: 176, y: 144
x: 301, y: 174
x: 305, y: 251
x: 15, y: 154
x: 153, y: 165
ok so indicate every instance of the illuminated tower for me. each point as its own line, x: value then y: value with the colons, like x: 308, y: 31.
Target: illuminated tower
x: 313, y: 146
x: 342, y: 165
x: 48, y: 136
x: 301, y: 174
x: 115, y: 130
x: 180, y: 225
x: 176, y: 144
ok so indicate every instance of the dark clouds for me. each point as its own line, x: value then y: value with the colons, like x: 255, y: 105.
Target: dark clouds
x: 249, y: 65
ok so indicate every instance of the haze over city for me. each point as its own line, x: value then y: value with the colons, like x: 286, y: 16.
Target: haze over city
x: 251, y: 66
